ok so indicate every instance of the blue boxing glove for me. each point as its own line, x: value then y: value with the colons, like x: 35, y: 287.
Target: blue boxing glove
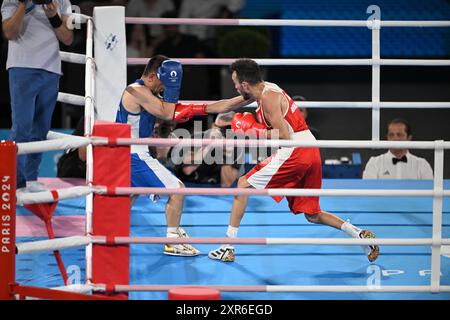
x: 170, y: 73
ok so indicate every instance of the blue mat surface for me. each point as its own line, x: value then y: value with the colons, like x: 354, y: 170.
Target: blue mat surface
x: 388, y: 217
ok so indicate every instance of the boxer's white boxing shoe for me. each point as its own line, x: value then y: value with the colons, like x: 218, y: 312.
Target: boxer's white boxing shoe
x: 372, y: 252
x: 225, y: 253
x: 184, y: 250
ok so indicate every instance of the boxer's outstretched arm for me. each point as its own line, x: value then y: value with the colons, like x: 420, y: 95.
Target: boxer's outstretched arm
x: 143, y: 97
x: 226, y: 105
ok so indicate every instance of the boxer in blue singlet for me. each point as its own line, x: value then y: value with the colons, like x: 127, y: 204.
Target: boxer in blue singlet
x: 139, y: 107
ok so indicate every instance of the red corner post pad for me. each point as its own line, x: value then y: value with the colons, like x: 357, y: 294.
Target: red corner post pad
x: 7, y: 217
x: 111, y: 214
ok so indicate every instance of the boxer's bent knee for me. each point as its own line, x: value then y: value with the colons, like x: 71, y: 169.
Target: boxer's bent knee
x: 243, y: 183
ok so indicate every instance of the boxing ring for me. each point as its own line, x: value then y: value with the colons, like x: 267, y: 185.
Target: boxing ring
x: 410, y: 218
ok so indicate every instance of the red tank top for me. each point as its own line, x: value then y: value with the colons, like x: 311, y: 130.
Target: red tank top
x: 292, y: 116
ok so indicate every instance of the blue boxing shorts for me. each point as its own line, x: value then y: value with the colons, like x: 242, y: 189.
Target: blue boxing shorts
x: 149, y: 172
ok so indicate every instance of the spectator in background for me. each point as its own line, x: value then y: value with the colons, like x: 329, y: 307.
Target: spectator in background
x: 34, y: 66
x: 304, y: 112
x: 138, y: 41
x: 175, y: 44
x: 398, y: 163
x: 149, y: 8
x: 172, y: 43
x: 163, y: 129
x: 208, y: 9
x: 72, y: 164
x: 224, y: 173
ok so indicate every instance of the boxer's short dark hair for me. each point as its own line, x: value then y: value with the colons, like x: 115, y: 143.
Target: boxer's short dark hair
x: 154, y: 63
x: 247, y: 70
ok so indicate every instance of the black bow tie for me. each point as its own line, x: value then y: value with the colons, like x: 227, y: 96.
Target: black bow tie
x: 402, y: 159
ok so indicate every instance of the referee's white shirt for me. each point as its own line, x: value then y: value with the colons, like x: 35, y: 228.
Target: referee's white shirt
x: 382, y: 167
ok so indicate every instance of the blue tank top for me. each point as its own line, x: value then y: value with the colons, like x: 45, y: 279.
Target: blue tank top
x: 141, y: 123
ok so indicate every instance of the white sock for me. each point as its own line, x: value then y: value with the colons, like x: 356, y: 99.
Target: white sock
x: 232, y: 232
x: 350, y: 229
x: 172, y: 232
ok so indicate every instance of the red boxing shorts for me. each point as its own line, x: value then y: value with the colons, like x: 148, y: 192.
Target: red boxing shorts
x: 291, y: 168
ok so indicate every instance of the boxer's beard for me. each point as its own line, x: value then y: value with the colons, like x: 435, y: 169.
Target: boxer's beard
x: 245, y: 95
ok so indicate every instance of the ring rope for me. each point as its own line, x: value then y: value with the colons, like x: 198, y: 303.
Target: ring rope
x: 74, y: 192
x: 350, y: 104
x: 77, y: 141
x: 79, y: 101
x: 72, y: 57
x: 365, y: 144
x: 287, y: 22
x: 71, y: 99
x: 24, y: 198
x: 279, y: 192
x: 79, y: 241
x: 52, y: 145
x: 306, y: 62
x: 283, y: 288
x: 251, y: 288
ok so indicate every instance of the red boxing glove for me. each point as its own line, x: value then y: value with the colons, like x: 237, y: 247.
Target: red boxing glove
x: 184, y: 112
x: 245, y: 123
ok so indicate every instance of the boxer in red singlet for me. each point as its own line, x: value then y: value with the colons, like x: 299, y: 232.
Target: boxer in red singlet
x: 288, y: 167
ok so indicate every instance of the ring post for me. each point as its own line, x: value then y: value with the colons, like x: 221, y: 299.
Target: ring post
x: 110, y: 51
x: 437, y: 215
x: 376, y: 80
x: 7, y: 217
x: 111, y: 214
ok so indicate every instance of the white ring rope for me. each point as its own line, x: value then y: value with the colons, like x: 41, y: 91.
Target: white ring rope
x: 69, y: 142
x: 57, y: 194
x: 350, y: 104
x: 369, y: 105
x: 80, y: 100
x: 74, y: 192
x: 279, y: 241
x: 305, y: 62
x: 364, y: 144
x: 52, y: 245
x: 71, y: 99
x: 65, y: 143
x: 283, y: 192
x: 81, y: 18
x: 57, y: 135
x: 286, y: 22
x: 72, y: 57
x: 77, y: 288
x: 252, y: 288
x: 282, y: 288
x: 79, y: 241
